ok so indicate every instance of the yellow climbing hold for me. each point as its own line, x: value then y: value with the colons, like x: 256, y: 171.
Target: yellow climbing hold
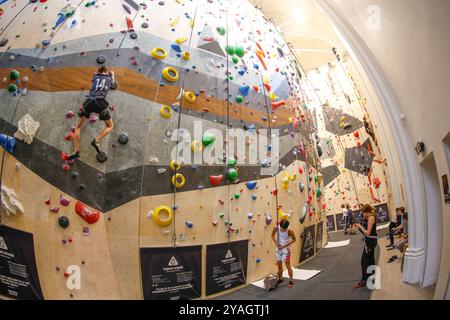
x: 181, y: 40
x: 174, y: 22
x: 158, y: 53
x: 175, y: 165
x: 185, y: 56
x: 189, y: 97
x: 170, y: 74
x: 165, y: 112
x: 196, y: 146
x: 163, y: 211
x: 178, y: 181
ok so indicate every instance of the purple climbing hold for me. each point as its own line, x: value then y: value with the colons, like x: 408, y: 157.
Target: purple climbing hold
x: 127, y: 8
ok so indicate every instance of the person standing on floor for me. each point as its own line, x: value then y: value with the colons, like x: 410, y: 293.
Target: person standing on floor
x: 369, y: 229
x: 350, y: 219
x: 345, y: 215
x: 283, y: 237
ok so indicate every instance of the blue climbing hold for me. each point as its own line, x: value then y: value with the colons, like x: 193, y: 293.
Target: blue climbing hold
x: 244, y: 90
x: 176, y: 47
x: 251, y: 185
x: 241, y: 72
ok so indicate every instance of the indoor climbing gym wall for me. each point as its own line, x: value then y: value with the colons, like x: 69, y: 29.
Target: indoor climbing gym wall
x: 353, y: 165
x: 173, y: 208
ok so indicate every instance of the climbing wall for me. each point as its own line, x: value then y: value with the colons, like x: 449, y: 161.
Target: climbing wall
x: 353, y: 165
x: 231, y: 71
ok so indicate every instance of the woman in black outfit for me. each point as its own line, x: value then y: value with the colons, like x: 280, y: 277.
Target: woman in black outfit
x: 369, y: 229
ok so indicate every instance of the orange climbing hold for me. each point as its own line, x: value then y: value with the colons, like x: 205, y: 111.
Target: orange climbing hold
x: 88, y: 215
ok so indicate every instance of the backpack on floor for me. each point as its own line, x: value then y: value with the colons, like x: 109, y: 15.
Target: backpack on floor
x: 271, y: 282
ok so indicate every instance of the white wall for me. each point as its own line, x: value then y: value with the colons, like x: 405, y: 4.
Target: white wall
x: 412, y: 49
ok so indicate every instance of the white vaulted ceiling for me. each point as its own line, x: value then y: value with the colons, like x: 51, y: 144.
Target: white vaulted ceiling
x: 304, y: 27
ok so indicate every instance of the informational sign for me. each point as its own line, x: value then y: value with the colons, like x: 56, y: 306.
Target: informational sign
x: 319, y: 236
x: 171, y: 273
x: 308, y: 243
x: 226, y: 266
x: 357, y: 216
x: 18, y: 274
x: 340, y: 221
x: 331, y: 224
x: 382, y: 213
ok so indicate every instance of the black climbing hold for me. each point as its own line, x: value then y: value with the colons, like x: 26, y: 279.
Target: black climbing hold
x: 102, y: 157
x: 161, y: 3
x: 144, y: 25
x: 101, y: 59
x: 123, y: 138
x: 133, y: 35
x: 63, y: 222
x: 3, y: 42
x: 113, y: 85
x: 33, y: 1
x: 82, y: 186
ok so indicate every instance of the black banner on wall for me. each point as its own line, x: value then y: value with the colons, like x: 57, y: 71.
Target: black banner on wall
x: 171, y: 273
x: 382, y: 213
x: 18, y: 274
x: 357, y: 216
x: 308, y: 243
x: 319, y: 236
x: 340, y: 221
x: 331, y: 225
x: 226, y: 266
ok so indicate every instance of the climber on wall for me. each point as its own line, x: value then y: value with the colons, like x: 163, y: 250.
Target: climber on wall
x: 283, y: 241
x: 95, y: 103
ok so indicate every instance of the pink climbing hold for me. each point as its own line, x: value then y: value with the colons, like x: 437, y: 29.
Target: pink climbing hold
x: 54, y: 209
x: 70, y: 114
x: 64, y: 201
x: 88, y: 215
x: 127, y: 8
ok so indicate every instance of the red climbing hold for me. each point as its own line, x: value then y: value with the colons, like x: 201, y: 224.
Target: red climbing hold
x: 216, y: 180
x: 277, y: 104
x: 275, y: 192
x: 129, y: 23
x: 88, y: 215
x: 64, y: 156
x: 256, y: 88
x: 268, y: 87
x: 356, y: 134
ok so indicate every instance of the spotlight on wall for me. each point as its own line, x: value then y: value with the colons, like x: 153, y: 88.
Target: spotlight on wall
x: 420, y: 147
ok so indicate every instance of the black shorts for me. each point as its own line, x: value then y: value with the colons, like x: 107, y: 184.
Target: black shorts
x: 99, y: 106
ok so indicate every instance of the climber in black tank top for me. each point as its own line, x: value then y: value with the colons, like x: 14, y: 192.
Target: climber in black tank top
x: 368, y: 228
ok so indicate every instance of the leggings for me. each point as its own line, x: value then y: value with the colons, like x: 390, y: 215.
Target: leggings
x: 392, y: 225
x: 367, y: 259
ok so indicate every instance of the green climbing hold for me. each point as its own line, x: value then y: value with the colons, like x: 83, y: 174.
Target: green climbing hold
x: 232, y: 174
x: 221, y: 30
x: 232, y: 162
x: 318, y: 193
x: 235, y: 59
x: 239, y: 51
x: 230, y: 78
x: 237, y: 195
x: 14, y: 75
x: 239, y: 99
x: 316, y: 178
x: 230, y: 50
x: 208, y: 139
x: 12, y: 87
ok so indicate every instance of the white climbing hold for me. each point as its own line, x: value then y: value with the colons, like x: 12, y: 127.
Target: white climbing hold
x: 150, y: 214
x: 10, y: 202
x: 154, y: 160
x: 27, y: 129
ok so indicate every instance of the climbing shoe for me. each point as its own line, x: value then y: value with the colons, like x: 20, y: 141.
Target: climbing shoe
x: 280, y: 280
x: 290, y: 284
x: 360, y: 285
x: 96, y: 145
x: 76, y: 155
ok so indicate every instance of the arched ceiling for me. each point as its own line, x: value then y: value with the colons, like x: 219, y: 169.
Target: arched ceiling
x: 304, y: 27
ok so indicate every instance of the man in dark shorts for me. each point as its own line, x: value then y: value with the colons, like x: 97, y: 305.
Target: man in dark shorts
x: 95, y: 103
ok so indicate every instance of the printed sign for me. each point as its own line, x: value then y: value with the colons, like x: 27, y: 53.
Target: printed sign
x: 308, y: 243
x: 382, y: 213
x: 226, y: 266
x: 18, y: 274
x: 331, y: 224
x: 319, y: 236
x: 171, y: 273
